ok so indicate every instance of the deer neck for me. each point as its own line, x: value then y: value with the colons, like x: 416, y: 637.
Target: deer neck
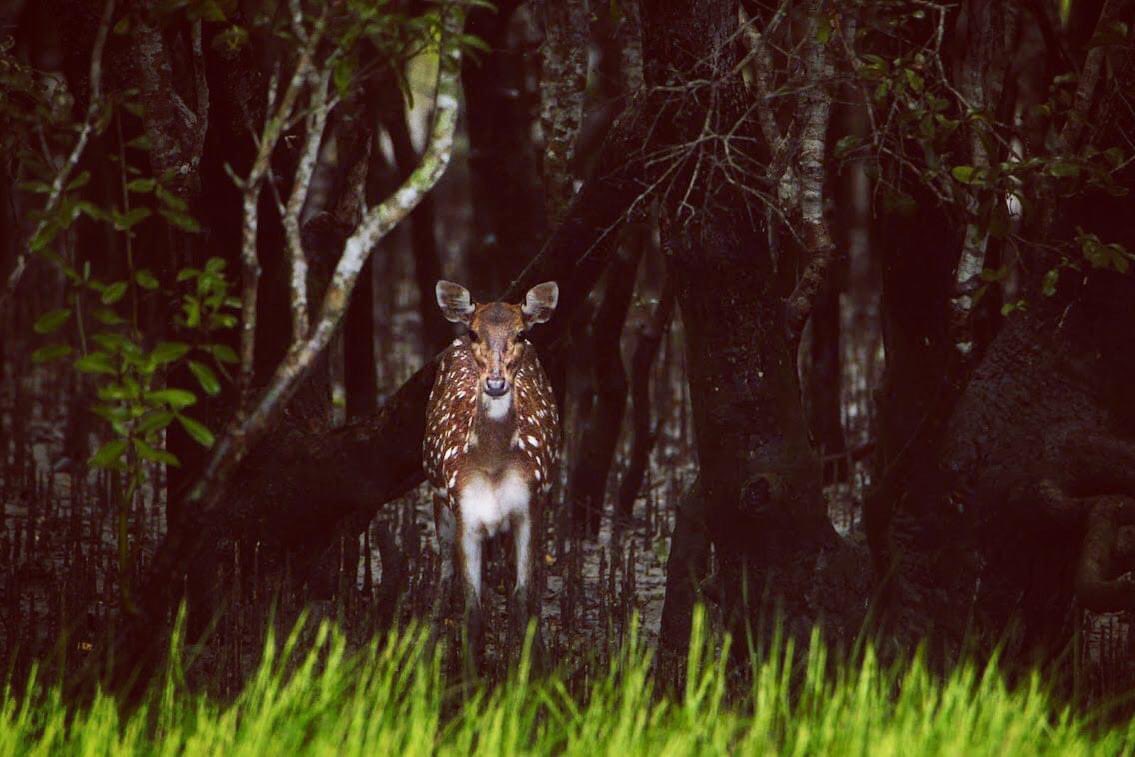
x: 494, y: 426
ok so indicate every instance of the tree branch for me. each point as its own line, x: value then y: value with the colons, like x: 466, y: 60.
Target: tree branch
x: 316, y: 122
x: 274, y: 126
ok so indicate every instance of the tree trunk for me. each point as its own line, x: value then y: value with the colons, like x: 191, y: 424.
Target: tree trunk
x: 507, y: 196
x: 598, y: 434
x: 758, y: 474
x: 645, y: 434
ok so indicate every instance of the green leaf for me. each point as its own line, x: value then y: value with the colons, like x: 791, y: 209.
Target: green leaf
x: 175, y: 398
x: 43, y: 238
x: 168, y: 352
x: 141, y: 185
x: 108, y: 317
x: 964, y: 174
x: 215, y: 265
x: 153, y: 454
x: 230, y: 40
x: 126, y: 221
x: 39, y: 187
x: 170, y: 199
x: 140, y: 143
x: 109, y: 454
x: 92, y: 211
x: 1048, y: 284
x: 181, y: 220
x: 824, y: 30
x: 50, y: 352
x: 343, y: 72
x: 113, y: 293
x: 51, y: 321
x: 81, y: 180
x: 145, y: 279
x: 200, y: 434
x: 154, y: 421
x: 1114, y: 156
x: 123, y: 25
x: 192, y: 309
x: 96, y: 362
x: 223, y: 353
x: 1063, y: 168
x: 914, y: 80
x: 846, y: 145
x: 205, y: 377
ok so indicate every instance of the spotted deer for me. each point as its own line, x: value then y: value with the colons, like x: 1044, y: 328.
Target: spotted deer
x: 492, y: 442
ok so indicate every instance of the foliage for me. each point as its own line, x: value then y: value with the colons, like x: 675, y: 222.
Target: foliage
x: 998, y: 172
x: 391, y: 698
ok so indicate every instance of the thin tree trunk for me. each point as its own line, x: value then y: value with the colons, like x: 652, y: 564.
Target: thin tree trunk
x: 599, y: 432
x: 644, y: 434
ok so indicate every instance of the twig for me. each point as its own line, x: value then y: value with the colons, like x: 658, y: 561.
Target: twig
x: 94, y: 101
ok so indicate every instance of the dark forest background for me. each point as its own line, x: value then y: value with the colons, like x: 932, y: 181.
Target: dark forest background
x: 846, y: 332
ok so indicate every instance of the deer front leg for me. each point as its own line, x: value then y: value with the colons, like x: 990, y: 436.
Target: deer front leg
x: 526, y: 596
x: 522, y: 538
x: 469, y: 552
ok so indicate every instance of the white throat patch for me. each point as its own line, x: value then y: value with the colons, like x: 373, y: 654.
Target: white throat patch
x: 497, y: 407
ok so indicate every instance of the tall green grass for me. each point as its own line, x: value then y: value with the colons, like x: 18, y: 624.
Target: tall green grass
x: 317, y: 697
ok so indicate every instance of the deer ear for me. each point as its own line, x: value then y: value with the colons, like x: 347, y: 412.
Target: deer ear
x: 455, y: 302
x: 540, y: 303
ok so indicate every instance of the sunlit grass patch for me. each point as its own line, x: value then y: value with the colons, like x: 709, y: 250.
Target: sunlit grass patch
x: 311, y: 694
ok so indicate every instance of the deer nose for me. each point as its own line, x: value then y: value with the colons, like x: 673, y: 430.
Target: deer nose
x: 495, y: 387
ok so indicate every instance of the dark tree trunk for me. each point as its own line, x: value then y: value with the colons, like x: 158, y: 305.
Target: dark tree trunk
x: 758, y: 474
x: 686, y: 568
x: 918, y: 249
x: 598, y: 434
x: 645, y: 434
x: 822, y: 387
x: 508, y: 199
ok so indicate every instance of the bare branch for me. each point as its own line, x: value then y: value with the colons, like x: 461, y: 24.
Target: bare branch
x: 316, y: 122
x: 250, y: 265
x: 93, y: 103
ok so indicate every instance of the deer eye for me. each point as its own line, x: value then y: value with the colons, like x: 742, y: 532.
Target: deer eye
x: 473, y: 336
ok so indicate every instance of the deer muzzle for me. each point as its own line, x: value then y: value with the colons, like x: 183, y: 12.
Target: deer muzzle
x: 496, y: 386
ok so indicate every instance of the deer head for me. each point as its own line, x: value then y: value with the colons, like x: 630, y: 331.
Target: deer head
x: 497, y: 331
